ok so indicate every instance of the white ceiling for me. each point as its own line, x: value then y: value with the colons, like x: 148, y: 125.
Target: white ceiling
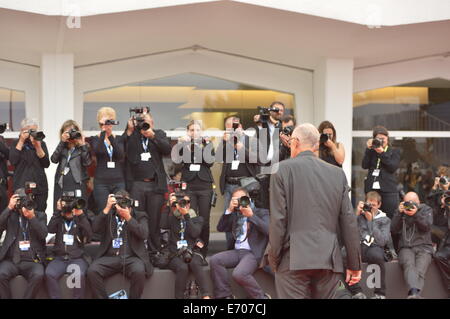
x: 254, y: 31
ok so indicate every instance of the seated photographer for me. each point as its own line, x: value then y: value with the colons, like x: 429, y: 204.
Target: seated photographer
x: 329, y: 150
x: 442, y: 256
x: 382, y: 161
x: 441, y: 184
x: 23, y: 251
x: 440, y: 222
x: 375, y: 232
x: 122, y: 249
x: 73, y: 158
x: 250, y: 228
x: 73, y: 229
x: 413, y: 220
x: 29, y: 156
x: 184, y: 245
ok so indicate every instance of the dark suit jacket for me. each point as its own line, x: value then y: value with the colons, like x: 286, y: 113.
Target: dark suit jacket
x: 137, y: 232
x: 9, y: 221
x: 192, y: 232
x: 222, y: 150
x: 28, y: 167
x: 4, y: 155
x: 308, y: 201
x: 389, y: 162
x: 158, y: 147
x: 79, y: 161
x: 258, y: 231
x: 205, y: 167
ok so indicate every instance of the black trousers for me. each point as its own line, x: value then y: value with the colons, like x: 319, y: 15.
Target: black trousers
x: 41, y: 201
x: 107, y: 266
x: 372, y: 255
x: 4, y: 200
x: 389, y: 203
x: 442, y: 259
x: 201, y: 203
x: 59, y: 267
x: 181, y: 270
x: 33, y: 273
x: 151, y: 203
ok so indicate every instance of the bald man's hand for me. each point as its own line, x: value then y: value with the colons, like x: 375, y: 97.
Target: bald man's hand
x: 353, y: 277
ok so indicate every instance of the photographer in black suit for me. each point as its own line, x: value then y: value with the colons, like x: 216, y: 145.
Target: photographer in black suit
x: 29, y: 156
x: 122, y: 249
x: 23, y: 251
x: 196, y: 152
x: 146, y: 147
x: 442, y: 256
x: 73, y: 229
x: 250, y: 228
x: 382, y: 161
x: 184, y: 245
x: 4, y: 155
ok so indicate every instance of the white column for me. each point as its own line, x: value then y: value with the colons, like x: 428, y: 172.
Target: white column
x: 333, y: 101
x: 57, y: 105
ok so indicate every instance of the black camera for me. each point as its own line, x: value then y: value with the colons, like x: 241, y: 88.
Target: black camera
x: 446, y: 196
x: 27, y: 200
x: 409, y: 205
x: 111, y: 122
x: 264, y: 113
x: 37, y: 135
x: 124, y: 202
x: 288, y: 130
x: 74, y: 134
x: 244, y: 202
x: 367, y: 207
x: 235, y: 125
x: 3, y: 128
x: 137, y: 114
x: 324, y: 138
x: 71, y: 201
x: 443, y: 180
x: 186, y: 254
x: 180, y: 200
x: 376, y: 143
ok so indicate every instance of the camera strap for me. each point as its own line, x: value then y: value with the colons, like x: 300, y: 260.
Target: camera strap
x: 379, y: 159
x: 109, y: 150
x: 68, y: 226
x: 182, y: 228
x: 119, y: 226
x: 24, y: 227
x: 145, y: 144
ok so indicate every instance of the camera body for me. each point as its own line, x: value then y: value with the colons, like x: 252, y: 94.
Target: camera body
x: 244, y: 202
x: 74, y: 134
x: 446, y: 196
x: 27, y: 201
x: 376, y: 143
x: 264, y: 113
x: 235, y: 125
x: 367, y: 207
x: 324, y: 138
x: 409, y: 205
x: 3, y: 127
x: 111, y: 122
x: 37, y: 135
x: 137, y: 114
x: 443, y: 180
x: 180, y: 200
x: 288, y: 130
x: 71, y: 201
x: 186, y: 254
x: 125, y: 202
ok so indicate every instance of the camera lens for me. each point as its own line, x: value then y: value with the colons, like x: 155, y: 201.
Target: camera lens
x: 244, y: 201
x: 323, y: 138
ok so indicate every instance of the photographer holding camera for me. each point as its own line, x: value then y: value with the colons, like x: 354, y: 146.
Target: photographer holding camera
x: 237, y: 167
x: 250, y: 229
x: 4, y: 155
x: 109, y: 151
x: 184, y: 246
x: 122, y: 248
x: 73, y: 158
x: 441, y: 184
x: 23, y: 251
x: 375, y: 232
x: 382, y: 161
x: 29, y: 156
x: 146, y: 147
x: 197, y: 155
x: 442, y: 256
x: 288, y: 124
x: 73, y: 229
x: 413, y: 220
x: 329, y: 150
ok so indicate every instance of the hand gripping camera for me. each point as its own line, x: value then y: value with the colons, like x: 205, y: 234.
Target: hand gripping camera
x: 264, y: 113
x: 37, y: 135
x: 71, y: 201
x: 324, y: 138
x: 26, y: 199
x: 376, y: 143
x: 409, y: 205
x: 137, y: 114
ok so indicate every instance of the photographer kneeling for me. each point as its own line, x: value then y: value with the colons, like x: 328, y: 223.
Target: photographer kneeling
x: 250, y: 228
x: 73, y: 230
x: 374, y: 229
x: 184, y: 245
x: 414, y: 221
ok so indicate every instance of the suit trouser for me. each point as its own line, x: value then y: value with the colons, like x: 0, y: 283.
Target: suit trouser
x: 102, y: 191
x: 41, y: 201
x: 389, y: 203
x: 229, y: 188
x: 414, y: 262
x: 305, y: 284
x: 33, y: 273
x: 442, y: 259
x: 245, y: 264
x: 201, y: 203
x: 151, y: 203
x: 181, y: 270
x: 57, y: 268
x: 107, y: 266
x: 372, y: 255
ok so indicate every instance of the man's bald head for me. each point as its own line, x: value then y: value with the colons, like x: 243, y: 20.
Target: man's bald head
x: 413, y: 197
x: 304, y: 138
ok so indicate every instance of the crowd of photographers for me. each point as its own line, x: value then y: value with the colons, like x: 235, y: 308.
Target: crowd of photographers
x: 143, y: 218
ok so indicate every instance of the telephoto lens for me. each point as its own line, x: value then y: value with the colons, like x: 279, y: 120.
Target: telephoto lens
x: 37, y: 135
x: 244, y: 201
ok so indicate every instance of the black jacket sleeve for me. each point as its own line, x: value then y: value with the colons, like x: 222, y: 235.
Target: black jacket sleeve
x: 45, y: 162
x: 85, y: 226
x: 56, y: 156
x: 138, y: 225
x: 424, y: 218
x: 194, y: 225
x: 261, y: 221
x: 38, y: 224
x: 161, y: 142
x: 366, y: 159
x: 56, y: 219
x: 226, y: 223
x: 390, y: 160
